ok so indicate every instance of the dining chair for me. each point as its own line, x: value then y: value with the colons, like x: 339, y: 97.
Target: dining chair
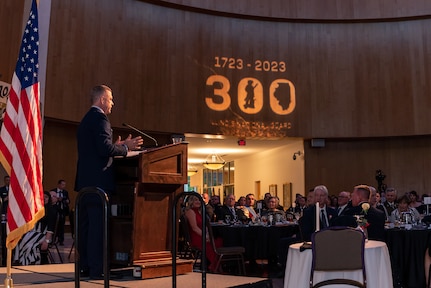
x: 72, y: 230
x: 54, y: 243
x: 339, y: 249
x: 227, y: 254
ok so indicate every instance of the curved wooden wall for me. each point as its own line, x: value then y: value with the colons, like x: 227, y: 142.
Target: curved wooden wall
x: 360, y: 70
x: 358, y: 79
x: 307, y: 9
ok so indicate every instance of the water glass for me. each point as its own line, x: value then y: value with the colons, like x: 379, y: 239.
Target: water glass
x: 227, y: 219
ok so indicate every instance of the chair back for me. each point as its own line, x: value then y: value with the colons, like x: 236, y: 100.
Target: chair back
x: 185, y: 229
x: 211, y: 234
x: 57, y: 224
x: 338, y: 249
x: 72, y: 222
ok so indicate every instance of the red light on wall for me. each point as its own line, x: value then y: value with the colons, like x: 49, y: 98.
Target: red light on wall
x: 241, y: 142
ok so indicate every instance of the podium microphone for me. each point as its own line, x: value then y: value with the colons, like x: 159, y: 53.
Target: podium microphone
x: 140, y: 132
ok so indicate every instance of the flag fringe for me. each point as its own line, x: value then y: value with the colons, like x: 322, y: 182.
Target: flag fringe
x: 5, y: 163
x: 14, y: 236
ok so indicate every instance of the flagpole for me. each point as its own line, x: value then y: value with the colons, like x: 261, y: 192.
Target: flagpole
x: 8, y: 281
x: 18, y: 132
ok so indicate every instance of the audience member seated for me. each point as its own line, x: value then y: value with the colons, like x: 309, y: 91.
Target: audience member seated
x: 333, y: 202
x: 208, y: 208
x: 374, y: 216
x: 228, y: 209
x: 277, y: 214
x: 248, y: 211
x: 344, y: 202
x: 403, y: 208
x: 307, y: 222
x: 264, y: 201
x: 194, y: 220
x: 391, y: 201
x: 240, y: 203
x: 310, y: 198
x: 375, y: 201
x: 215, y: 203
x: 278, y: 205
x: 416, y: 202
x: 33, y: 246
x: 414, y: 199
x: 302, y: 204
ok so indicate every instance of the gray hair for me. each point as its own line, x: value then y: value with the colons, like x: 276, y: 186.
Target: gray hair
x: 322, y: 188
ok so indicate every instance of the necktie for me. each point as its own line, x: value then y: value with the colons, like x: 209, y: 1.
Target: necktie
x: 232, y: 210
x: 322, y: 214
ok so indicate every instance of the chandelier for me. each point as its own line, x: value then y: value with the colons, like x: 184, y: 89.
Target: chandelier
x: 213, y: 162
x: 191, y: 170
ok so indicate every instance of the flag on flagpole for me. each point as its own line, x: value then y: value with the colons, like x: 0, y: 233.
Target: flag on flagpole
x: 21, y: 138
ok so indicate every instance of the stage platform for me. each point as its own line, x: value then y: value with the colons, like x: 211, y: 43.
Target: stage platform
x: 62, y: 275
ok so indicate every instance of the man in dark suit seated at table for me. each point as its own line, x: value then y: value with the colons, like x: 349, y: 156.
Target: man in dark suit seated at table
x: 307, y: 222
x: 375, y: 217
x: 344, y: 202
x: 229, y: 209
x: 391, y: 201
x: 215, y: 203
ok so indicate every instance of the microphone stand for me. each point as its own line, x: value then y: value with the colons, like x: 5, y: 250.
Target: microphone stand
x: 140, y: 132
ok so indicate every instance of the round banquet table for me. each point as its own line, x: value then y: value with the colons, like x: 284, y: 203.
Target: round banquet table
x: 377, y: 267
x: 407, y: 250
x: 260, y: 242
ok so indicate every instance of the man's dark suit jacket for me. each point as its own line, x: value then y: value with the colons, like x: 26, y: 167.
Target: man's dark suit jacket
x: 64, y: 206
x: 307, y: 222
x: 224, y: 210
x: 3, y: 194
x: 375, y: 217
x: 95, y: 152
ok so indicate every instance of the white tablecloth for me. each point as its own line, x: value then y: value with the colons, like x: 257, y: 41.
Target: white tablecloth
x: 377, y: 265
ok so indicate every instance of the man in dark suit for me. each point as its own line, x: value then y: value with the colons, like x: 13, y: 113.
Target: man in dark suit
x: 62, y: 207
x: 96, y: 150
x: 307, y: 222
x: 344, y: 203
x: 374, y: 216
x: 391, y: 201
x: 229, y: 209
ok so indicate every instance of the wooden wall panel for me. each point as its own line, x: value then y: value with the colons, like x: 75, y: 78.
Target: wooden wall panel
x: 351, y: 79
x: 59, y: 155
x: 342, y: 164
x: 10, y: 36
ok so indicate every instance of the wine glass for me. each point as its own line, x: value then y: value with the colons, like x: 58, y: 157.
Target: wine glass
x: 297, y: 216
x: 264, y: 220
x: 289, y: 217
x: 235, y: 219
x: 227, y: 219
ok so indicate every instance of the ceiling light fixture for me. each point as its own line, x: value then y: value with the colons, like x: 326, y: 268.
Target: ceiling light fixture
x: 214, y: 162
x: 191, y: 170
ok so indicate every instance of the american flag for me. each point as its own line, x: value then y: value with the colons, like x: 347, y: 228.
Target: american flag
x: 21, y: 138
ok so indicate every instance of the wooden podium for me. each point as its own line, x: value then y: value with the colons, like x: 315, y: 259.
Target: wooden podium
x: 141, y: 222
